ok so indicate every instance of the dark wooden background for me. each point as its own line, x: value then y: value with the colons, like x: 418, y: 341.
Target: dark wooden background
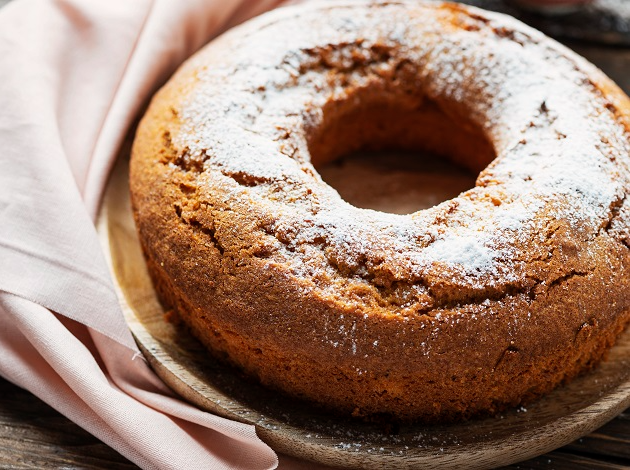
x: 33, y: 435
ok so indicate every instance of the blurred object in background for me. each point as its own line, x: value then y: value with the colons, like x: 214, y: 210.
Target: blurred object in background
x: 603, y: 22
x: 551, y: 7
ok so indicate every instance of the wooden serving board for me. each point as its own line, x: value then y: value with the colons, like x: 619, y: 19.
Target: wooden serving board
x: 298, y: 429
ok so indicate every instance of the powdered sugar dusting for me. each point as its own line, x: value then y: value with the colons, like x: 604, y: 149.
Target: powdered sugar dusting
x: 559, y: 147
x: 466, y: 251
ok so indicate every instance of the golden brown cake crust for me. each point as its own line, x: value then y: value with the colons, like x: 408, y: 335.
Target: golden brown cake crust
x: 484, y: 301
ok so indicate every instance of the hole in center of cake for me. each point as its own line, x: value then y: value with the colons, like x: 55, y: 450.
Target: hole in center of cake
x: 398, y: 152
x: 398, y: 182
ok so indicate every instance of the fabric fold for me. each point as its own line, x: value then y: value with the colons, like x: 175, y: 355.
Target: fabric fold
x: 74, y: 76
x: 162, y: 433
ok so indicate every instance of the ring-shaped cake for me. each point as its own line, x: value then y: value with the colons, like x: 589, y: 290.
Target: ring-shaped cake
x: 484, y: 301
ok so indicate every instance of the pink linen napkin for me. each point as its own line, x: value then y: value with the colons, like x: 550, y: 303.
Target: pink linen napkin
x: 74, y: 74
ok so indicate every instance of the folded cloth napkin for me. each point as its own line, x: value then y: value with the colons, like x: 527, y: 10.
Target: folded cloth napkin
x: 74, y: 74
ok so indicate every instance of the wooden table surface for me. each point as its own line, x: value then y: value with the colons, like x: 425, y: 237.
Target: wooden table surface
x: 33, y: 435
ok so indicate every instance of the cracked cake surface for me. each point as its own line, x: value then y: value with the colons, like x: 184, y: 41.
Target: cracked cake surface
x: 484, y: 301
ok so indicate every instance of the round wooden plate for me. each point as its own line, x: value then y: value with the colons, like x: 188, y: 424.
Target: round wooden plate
x: 298, y: 429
